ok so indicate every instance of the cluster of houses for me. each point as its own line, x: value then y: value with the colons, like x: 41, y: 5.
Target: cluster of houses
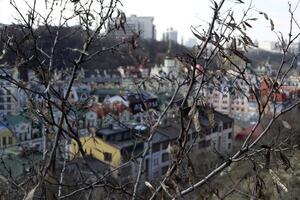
x: 111, y: 118
x: 112, y: 128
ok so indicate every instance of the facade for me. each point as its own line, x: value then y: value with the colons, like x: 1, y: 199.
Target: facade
x: 9, y: 97
x: 278, y: 101
x: 7, y: 138
x: 28, y: 134
x: 218, y: 137
x: 113, y: 146
x: 228, y: 101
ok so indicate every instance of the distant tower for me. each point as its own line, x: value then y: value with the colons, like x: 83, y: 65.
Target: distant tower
x: 170, y: 34
x: 169, y: 62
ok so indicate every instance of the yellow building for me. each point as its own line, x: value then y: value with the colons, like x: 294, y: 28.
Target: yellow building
x: 112, y: 145
x: 6, y: 137
x: 99, y: 149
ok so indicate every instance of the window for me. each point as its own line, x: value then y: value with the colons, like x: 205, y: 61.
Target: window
x: 164, y: 157
x: 10, y: 140
x: 165, y: 145
x: 229, y: 125
x: 118, y: 137
x: 8, y: 99
x: 4, y: 141
x: 229, y: 145
x: 229, y: 135
x: 225, y: 125
x: 107, y: 156
x: 155, y: 147
x: 215, y: 129
x: 155, y: 162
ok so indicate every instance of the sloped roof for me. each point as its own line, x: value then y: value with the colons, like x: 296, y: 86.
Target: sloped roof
x: 17, y: 119
x: 246, y: 131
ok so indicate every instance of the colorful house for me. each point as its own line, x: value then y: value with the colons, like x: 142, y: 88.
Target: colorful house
x: 112, y: 145
x: 6, y: 137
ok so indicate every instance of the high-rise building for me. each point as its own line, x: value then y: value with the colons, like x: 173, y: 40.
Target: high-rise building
x: 138, y: 25
x: 170, y: 34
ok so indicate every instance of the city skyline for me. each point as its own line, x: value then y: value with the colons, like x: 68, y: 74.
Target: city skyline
x: 181, y: 16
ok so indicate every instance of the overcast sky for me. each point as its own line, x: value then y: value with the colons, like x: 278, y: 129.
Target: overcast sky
x: 181, y: 14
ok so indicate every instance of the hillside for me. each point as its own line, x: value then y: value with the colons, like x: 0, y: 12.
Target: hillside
x: 145, y: 52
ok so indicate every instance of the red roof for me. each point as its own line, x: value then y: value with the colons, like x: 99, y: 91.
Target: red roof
x: 264, y: 90
x: 246, y: 131
x: 103, y: 109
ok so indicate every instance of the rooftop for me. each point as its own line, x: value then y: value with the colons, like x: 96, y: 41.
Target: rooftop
x: 111, y: 131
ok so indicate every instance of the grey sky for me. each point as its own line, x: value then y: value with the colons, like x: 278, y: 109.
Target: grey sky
x: 181, y: 14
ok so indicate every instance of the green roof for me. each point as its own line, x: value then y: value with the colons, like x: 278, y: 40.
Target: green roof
x: 16, y: 119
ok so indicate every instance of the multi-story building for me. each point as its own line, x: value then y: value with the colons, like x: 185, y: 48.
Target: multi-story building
x: 278, y: 100
x: 9, y: 97
x: 218, y: 136
x: 170, y: 35
x: 137, y: 25
x: 228, y: 100
x: 114, y: 146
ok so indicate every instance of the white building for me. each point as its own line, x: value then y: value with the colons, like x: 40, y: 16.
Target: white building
x: 9, y: 97
x: 142, y: 25
x: 168, y: 69
x: 218, y: 137
x: 269, y: 46
x: 230, y: 97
